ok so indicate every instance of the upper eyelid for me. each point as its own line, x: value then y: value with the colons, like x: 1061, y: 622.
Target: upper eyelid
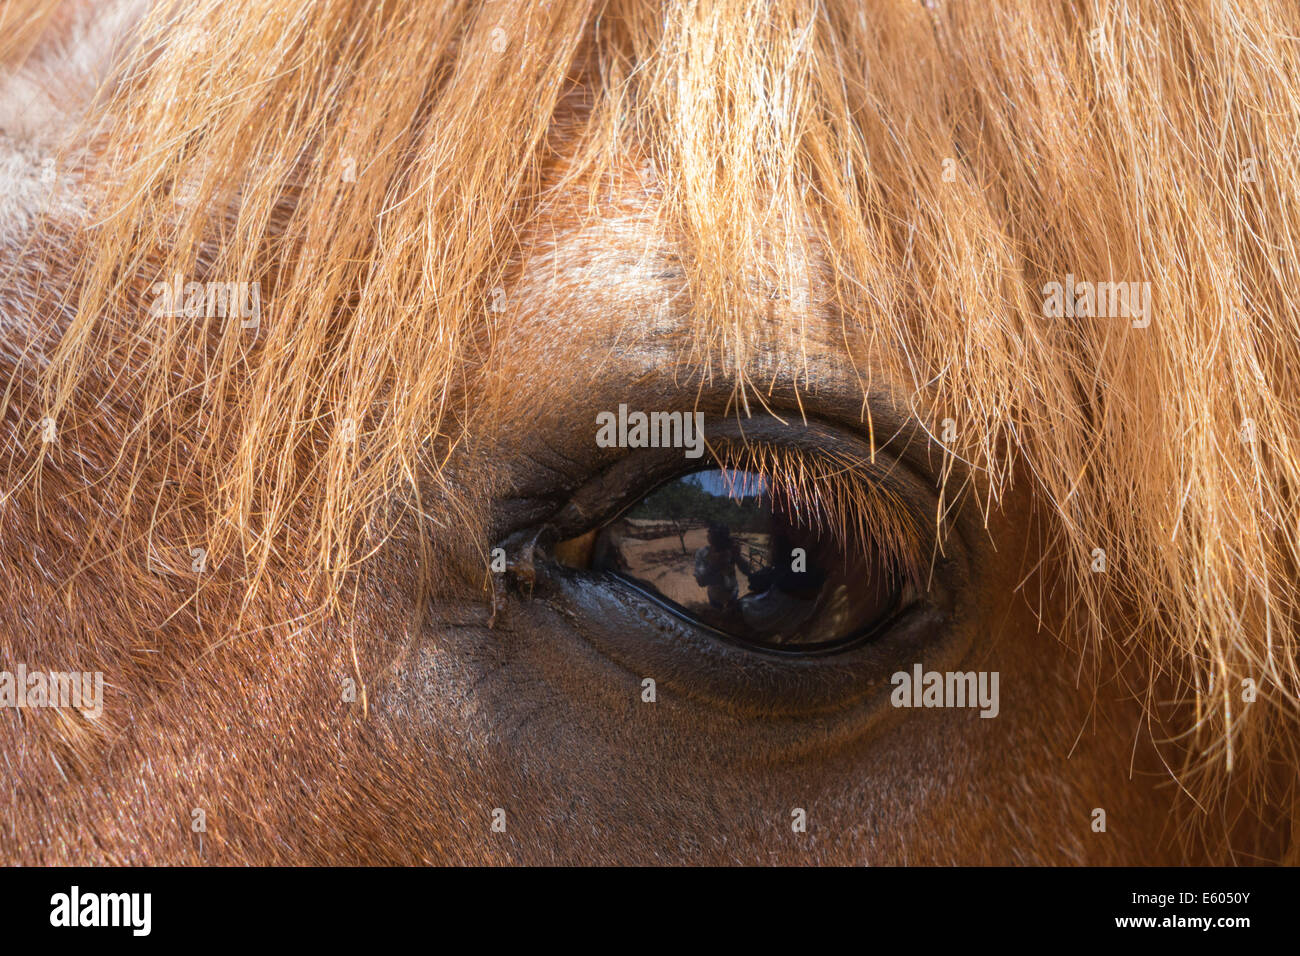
x: 637, y: 472
x: 905, y: 456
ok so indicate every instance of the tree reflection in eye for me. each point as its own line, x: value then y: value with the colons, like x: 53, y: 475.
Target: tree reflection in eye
x: 726, y: 550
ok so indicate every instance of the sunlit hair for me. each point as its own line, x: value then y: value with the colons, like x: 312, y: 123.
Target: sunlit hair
x: 21, y: 24
x: 921, y: 170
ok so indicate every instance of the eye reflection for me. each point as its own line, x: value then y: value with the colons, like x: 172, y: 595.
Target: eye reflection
x: 727, y: 550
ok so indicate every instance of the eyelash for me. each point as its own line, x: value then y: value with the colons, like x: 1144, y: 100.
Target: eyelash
x: 838, y: 493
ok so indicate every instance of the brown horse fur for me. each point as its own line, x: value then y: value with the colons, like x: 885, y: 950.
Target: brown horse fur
x: 473, y: 225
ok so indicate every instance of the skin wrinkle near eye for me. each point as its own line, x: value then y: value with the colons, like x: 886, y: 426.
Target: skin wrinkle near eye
x: 576, y: 597
x: 903, y: 455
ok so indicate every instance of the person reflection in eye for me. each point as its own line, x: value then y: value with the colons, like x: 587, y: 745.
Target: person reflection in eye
x: 716, y: 564
x: 781, y: 598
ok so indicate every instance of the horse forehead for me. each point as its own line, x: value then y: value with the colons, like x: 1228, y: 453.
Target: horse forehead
x: 618, y: 275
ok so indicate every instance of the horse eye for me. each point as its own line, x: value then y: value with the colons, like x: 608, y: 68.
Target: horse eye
x: 726, y: 551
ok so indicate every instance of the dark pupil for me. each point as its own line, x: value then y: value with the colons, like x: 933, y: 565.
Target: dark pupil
x: 723, y: 550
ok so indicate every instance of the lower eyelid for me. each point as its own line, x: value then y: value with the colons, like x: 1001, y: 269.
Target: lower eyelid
x: 645, y: 640
x: 791, y: 652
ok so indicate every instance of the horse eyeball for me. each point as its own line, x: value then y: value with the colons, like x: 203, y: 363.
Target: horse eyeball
x: 727, y: 551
